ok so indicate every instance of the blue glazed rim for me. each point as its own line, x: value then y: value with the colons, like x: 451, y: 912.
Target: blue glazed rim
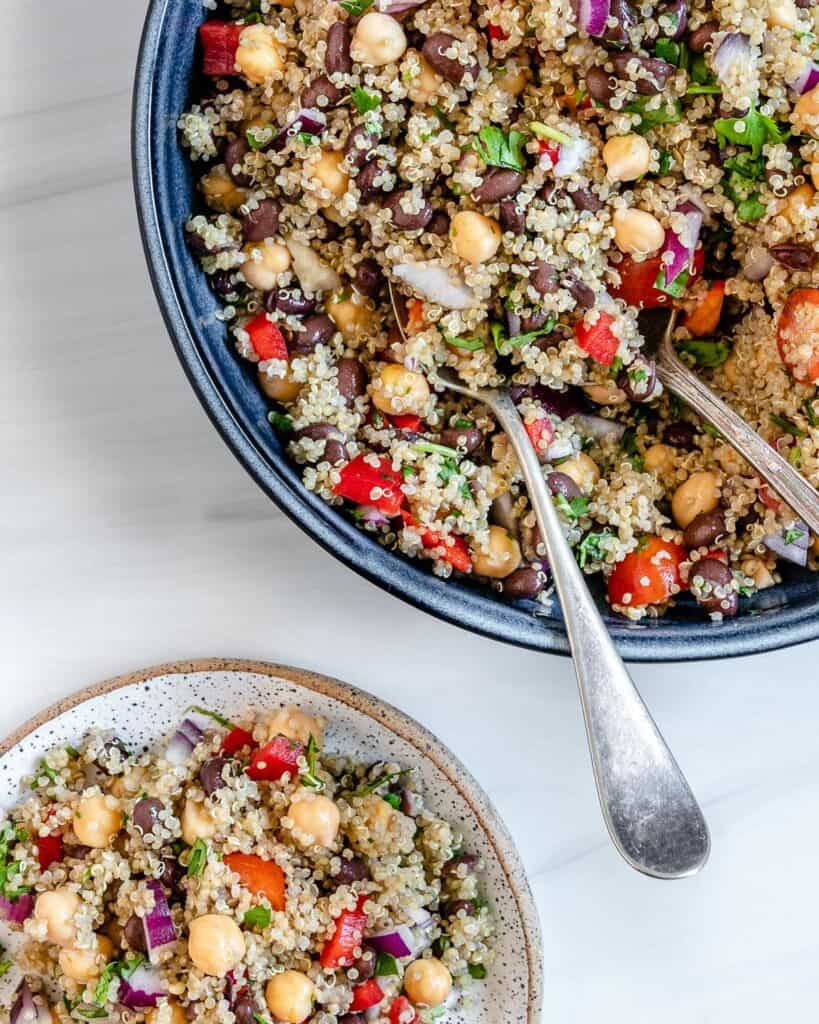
x: 774, y: 619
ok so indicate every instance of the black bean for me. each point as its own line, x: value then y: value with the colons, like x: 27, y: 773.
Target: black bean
x: 468, y: 861
x: 316, y: 330
x: 582, y: 294
x: 365, y: 964
x: 76, y: 850
x: 562, y: 483
x: 352, y: 379
x: 552, y: 193
x: 335, y: 450
x: 673, y: 19
x: 795, y: 257
x: 806, y: 5
x: 263, y: 222
x: 369, y: 278
x: 331, y: 230
x: 585, y: 199
x: 639, y: 381
x: 710, y: 581
x: 146, y: 814
x: 245, y: 1010
x: 453, y: 908
x: 439, y: 225
x: 704, y: 529
x: 352, y: 870
x: 352, y: 1018
x: 360, y: 143
x: 224, y: 283
x: 434, y: 50
x: 373, y: 180
x: 599, y: 85
x: 701, y: 37
x: 404, y: 220
x: 626, y: 19
x: 499, y: 183
x: 320, y: 94
x: 523, y: 584
x: 652, y: 73
x: 544, y: 278
x: 197, y: 244
x: 134, y: 934
x: 293, y: 302
x: 512, y: 217
x: 172, y: 874
x: 211, y: 775
x: 337, y: 59
x: 235, y: 153
x: 464, y: 439
x: 681, y: 434
x: 534, y: 321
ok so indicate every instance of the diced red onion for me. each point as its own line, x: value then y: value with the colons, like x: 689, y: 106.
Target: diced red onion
x: 19, y: 910
x: 558, y: 450
x: 411, y: 803
x: 572, y: 157
x: 143, y: 989
x: 420, y: 916
x: 503, y: 514
x: 512, y: 323
x: 732, y: 55
x: 398, y: 942
x: 592, y: 16
x: 308, y: 120
x: 807, y: 79
x: 158, y: 924
x: 758, y: 264
x: 796, y: 550
x: 370, y: 514
x: 179, y: 749
x: 24, y: 1010
x: 394, y: 7
x: 599, y: 427
x: 436, y: 283
x: 681, y: 248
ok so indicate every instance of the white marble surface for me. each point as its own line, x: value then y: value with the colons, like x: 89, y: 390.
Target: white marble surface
x: 130, y: 536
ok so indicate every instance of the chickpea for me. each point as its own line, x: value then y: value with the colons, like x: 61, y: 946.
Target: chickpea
x: 627, y: 157
x: 264, y: 263
x: 792, y: 207
x: 295, y: 724
x: 475, y: 238
x: 167, y: 1013
x: 197, y: 822
x: 730, y: 369
x: 637, y: 233
x: 289, y: 996
x: 500, y: 559
x: 85, y: 965
x: 216, y: 944
x: 513, y: 80
x: 329, y: 172
x: 698, y: 494
x: 806, y: 112
x: 352, y: 318
x: 57, y: 909
x: 397, y: 390
x: 605, y: 394
x: 378, y: 39
x: 258, y: 55
x: 220, y: 191
x: 280, y: 389
x: 659, y: 458
x: 377, y: 815
x: 814, y: 173
x: 129, y: 784
x: 317, y: 817
x: 427, y: 982
x: 782, y: 14
x: 583, y: 470
x: 759, y: 572
x: 423, y: 86
x: 97, y: 819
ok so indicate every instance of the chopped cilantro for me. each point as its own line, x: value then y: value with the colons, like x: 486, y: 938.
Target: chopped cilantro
x: 365, y: 101
x: 72, y: 752
x: 573, y: 508
x: 705, y: 353
x: 591, y: 548
x: 383, y: 780
x: 356, y: 7
x: 224, y: 722
x: 430, y: 448
x: 309, y: 778
x: 795, y: 456
x: 672, y: 52
x: 281, y: 424
x: 463, y: 423
x: 664, y: 163
x: 674, y: 288
x: 810, y: 411
x: 257, y: 917
x: 259, y: 137
x: 504, y: 344
x: 751, y: 209
x: 792, y: 535
x: 469, y: 344
x: 5, y: 967
x: 787, y: 425
x: 198, y: 858
x: 477, y: 971
x: 386, y: 966
x: 666, y: 113
x: 753, y: 130
x: 703, y: 90
x: 47, y: 771
x: 700, y: 72
x: 393, y: 799
x: 408, y: 471
x: 115, y: 969
x: 498, y: 149
x: 307, y: 139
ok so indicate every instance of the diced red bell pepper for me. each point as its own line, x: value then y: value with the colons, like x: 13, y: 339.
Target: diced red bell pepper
x: 453, y: 549
x: 637, y: 279
x: 49, y: 850
x: 365, y: 996
x: 648, y: 575
x: 401, y: 1010
x: 550, y: 149
x: 415, y: 316
x: 347, y: 938
x: 220, y: 40
x: 259, y: 876
x: 769, y: 499
x: 798, y: 334
x: 704, y: 318
x: 359, y: 479
x: 266, y: 338
x: 598, y: 338
x: 235, y: 740
x: 541, y: 434
x: 496, y: 32
x: 406, y: 421
x: 271, y: 761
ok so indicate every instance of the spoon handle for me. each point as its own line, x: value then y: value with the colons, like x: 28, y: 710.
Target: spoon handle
x: 779, y: 473
x: 651, y: 814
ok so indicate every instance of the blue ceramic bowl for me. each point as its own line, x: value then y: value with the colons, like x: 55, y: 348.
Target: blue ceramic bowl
x: 164, y: 193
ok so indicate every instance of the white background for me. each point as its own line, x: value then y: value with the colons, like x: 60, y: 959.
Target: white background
x: 131, y: 536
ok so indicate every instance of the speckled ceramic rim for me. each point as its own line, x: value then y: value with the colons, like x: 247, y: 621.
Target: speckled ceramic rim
x: 388, y: 717
x: 791, y: 621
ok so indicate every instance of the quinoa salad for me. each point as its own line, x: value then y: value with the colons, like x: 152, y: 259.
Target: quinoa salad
x: 522, y: 191
x: 238, y: 874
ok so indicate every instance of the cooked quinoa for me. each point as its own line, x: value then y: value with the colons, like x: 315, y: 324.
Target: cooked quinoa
x: 239, y: 873
x: 514, y: 190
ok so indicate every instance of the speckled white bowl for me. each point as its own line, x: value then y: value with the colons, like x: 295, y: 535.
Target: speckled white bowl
x: 144, y: 706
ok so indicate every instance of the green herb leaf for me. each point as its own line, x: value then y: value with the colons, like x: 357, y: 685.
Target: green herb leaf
x: 676, y: 288
x: 309, y: 778
x: 699, y: 70
x: 220, y: 719
x: 545, y: 131
x: 666, y: 113
x: 72, y: 752
x: 498, y: 149
x: 365, y: 101
x: 703, y: 90
x: 386, y: 966
x: 477, y: 971
x: 198, y: 858
x: 463, y: 423
x: 257, y: 138
x: 430, y: 448
x: 592, y: 548
x: 281, y: 424
x: 705, y: 353
x: 787, y: 425
x: 5, y: 967
x: 751, y: 209
x: 115, y: 969
x: 753, y: 130
x: 469, y: 344
x: 792, y: 535
x: 810, y: 412
x: 504, y: 344
x: 257, y: 917
x: 664, y: 163
x: 383, y: 780
x: 393, y: 799
x: 670, y: 51
x: 573, y: 508
x: 712, y: 432
x: 47, y: 771
x: 356, y: 7
x: 408, y: 471
x: 445, y: 121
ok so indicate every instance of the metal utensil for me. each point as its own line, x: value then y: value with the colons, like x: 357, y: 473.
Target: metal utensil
x: 683, y: 382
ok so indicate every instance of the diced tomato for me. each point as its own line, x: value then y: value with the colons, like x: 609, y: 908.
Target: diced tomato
x: 235, y: 740
x: 648, y: 575
x: 259, y: 876
x: 541, y: 434
x: 266, y: 338
x: 366, y: 995
x: 798, y: 334
x: 220, y: 40
x: 769, y: 499
x: 401, y: 1010
x: 349, y: 933
x: 415, y: 316
x: 406, y: 421
x: 453, y: 549
x: 359, y: 479
x: 496, y: 32
x: 637, y: 281
x: 550, y: 149
x: 271, y: 761
x: 717, y: 553
x: 598, y: 339
x: 703, y: 320
x: 49, y: 850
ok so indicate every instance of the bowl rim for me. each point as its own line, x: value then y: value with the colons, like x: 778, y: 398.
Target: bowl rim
x: 391, y: 718
x: 644, y: 642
